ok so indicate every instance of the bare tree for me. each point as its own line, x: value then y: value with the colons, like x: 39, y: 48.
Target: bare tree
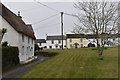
x: 99, y: 18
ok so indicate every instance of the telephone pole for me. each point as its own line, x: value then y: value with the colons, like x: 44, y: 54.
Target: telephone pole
x: 62, y: 27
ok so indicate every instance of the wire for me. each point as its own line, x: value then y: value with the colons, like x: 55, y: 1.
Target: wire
x: 42, y: 27
x: 45, y: 19
x: 47, y: 6
x: 30, y: 9
x: 70, y: 14
x: 51, y: 21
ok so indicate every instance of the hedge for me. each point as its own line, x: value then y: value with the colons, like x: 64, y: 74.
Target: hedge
x: 46, y: 54
x: 10, y: 57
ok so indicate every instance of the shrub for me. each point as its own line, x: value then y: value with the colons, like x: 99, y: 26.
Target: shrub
x: 91, y: 45
x: 10, y: 57
x: 46, y: 54
x: 5, y: 43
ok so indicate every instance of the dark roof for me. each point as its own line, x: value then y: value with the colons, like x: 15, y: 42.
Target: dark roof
x: 59, y: 37
x: 75, y: 35
x: 91, y: 36
x: 15, y: 21
x: 40, y: 41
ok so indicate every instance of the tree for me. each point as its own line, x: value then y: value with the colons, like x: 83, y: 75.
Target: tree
x: 2, y: 33
x: 99, y: 18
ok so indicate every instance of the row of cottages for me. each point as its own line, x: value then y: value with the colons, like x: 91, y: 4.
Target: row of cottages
x: 51, y: 42
x: 18, y: 34
x: 74, y: 41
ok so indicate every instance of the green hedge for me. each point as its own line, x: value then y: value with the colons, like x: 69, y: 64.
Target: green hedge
x: 46, y: 54
x: 10, y: 56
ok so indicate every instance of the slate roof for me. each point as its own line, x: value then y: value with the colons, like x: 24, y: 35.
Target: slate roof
x: 40, y: 41
x: 58, y: 37
x: 90, y: 36
x: 16, y: 22
x: 75, y: 36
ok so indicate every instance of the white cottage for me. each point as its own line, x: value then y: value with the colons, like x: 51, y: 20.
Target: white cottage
x: 55, y: 42
x: 18, y: 34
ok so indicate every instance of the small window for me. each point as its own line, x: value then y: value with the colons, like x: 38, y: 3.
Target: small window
x: 81, y: 45
x: 22, y: 38
x: 81, y: 40
x: 28, y: 40
x: 59, y: 41
x: 56, y: 46
x: 71, y: 46
x: 70, y: 40
x: 50, y: 47
x: 60, y: 46
x: 31, y: 41
x: 52, y: 41
x: 45, y: 46
x: 64, y: 45
x: 22, y: 50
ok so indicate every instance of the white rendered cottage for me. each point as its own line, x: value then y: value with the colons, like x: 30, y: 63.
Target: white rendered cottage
x: 55, y: 42
x: 18, y: 34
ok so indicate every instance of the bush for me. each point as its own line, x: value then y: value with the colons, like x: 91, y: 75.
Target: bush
x: 5, y: 43
x: 91, y: 45
x: 46, y: 54
x: 10, y: 57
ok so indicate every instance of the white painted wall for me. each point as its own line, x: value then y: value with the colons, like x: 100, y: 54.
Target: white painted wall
x: 15, y: 39
x: 11, y: 36
x: 48, y: 44
x: 28, y: 47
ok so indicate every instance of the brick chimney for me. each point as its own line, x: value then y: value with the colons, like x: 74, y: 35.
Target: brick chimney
x: 19, y: 15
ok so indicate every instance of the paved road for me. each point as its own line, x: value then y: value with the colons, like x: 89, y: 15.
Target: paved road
x: 20, y: 70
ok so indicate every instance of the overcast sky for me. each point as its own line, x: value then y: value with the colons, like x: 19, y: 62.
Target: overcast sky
x: 33, y: 13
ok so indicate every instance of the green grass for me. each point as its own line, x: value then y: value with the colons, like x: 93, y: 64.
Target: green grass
x: 77, y: 63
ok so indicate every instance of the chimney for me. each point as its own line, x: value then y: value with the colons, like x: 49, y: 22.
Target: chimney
x: 19, y: 15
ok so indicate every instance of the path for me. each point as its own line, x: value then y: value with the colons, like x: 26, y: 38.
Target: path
x: 20, y: 70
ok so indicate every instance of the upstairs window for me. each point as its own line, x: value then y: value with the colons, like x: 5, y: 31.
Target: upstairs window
x: 70, y: 40
x: 31, y: 41
x: 28, y: 40
x: 81, y: 40
x: 22, y: 38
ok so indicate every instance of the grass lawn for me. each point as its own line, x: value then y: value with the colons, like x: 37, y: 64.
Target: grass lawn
x: 77, y: 63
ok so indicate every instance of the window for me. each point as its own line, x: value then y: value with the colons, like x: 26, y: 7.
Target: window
x: 71, y: 46
x: 81, y: 40
x: 64, y: 45
x: 56, y: 46
x: 45, y: 46
x: 60, y: 46
x: 70, y: 40
x: 22, y: 38
x: 22, y: 50
x: 81, y: 45
x: 59, y: 41
x: 28, y: 40
x: 52, y: 41
x: 27, y: 50
x: 31, y: 41
x: 50, y: 47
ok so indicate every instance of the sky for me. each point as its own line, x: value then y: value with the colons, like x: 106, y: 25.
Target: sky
x: 33, y: 13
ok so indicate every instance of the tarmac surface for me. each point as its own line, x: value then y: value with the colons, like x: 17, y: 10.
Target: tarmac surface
x: 22, y: 69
